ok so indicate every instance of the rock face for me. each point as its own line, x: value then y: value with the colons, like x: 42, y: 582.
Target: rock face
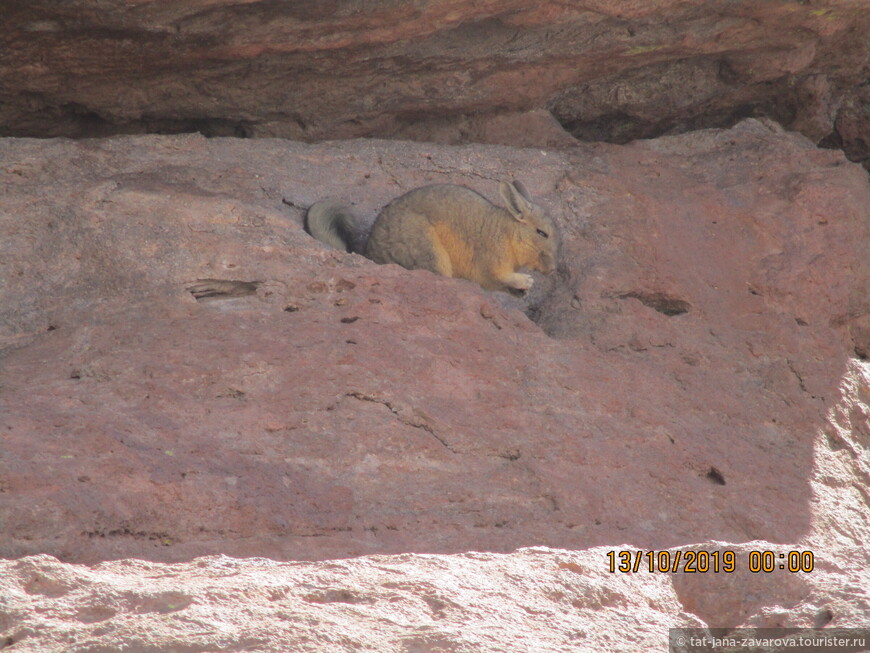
x: 399, y: 462
x: 538, y: 600
x: 440, y: 70
x: 185, y: 372
x: 692, y: 343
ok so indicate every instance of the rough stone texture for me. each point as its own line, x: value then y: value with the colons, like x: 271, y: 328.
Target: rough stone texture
x: 447, y: 70
x: 695, y: 372
x: 537, y: 600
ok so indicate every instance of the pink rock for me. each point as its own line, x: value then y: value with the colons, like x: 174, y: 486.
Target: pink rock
x: 694, y: 372
x: 439, y: 70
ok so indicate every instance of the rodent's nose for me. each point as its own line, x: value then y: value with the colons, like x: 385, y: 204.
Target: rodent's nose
x: 548, y: 263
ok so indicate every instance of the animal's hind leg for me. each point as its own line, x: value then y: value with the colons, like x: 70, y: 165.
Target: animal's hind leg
x: 443, y: 266
x: 430, y: 254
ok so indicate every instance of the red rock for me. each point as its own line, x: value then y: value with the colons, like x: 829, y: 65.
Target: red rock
x: 438, y: 70
x: 692, y: 373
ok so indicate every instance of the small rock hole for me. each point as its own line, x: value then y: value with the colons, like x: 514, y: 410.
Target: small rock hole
x: 823, y: 618
x: 215, y: 289
x: 715, y: 476
x: 661, y: 302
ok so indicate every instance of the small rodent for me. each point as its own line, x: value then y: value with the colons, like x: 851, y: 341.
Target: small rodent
x: 450, y: 230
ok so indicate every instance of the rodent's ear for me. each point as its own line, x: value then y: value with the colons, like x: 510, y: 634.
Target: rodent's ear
x: 521, y: 187
x: 516, y: 199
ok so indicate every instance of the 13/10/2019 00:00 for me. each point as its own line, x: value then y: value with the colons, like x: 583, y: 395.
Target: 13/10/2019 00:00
x: 694, y: 561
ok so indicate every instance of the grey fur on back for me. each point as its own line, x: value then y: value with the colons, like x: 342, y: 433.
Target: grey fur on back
x: 401, y: 233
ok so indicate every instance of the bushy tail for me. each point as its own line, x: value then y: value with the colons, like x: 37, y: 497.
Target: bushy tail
x: 332, y: 222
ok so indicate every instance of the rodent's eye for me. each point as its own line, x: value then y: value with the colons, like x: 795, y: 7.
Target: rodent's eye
x: 542, y: 233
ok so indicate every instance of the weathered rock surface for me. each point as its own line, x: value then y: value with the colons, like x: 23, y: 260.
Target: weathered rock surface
x: 439, y: 69
x: 536, y: 600
x: 694, y: 372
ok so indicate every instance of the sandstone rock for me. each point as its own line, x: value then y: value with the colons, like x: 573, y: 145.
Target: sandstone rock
x: 439, y: 69
x: 186, y: 373
x: 539, y: 600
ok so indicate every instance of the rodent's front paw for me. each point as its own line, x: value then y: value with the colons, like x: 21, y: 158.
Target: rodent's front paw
x: 521, y: 281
